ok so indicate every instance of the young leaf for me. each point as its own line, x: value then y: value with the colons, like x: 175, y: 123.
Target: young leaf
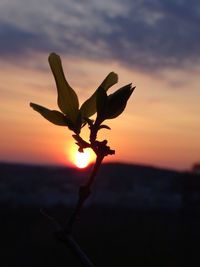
x: 53, y: 116
x: 102, y: 126
x: 88, y: 108
x: 67, y: 98
x: 89, y: 122
x: 101, y: 105
x: 78, y: 123
x: 110, y: 80
x: 117, y: 102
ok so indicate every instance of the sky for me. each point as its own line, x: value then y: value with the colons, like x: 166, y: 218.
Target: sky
x: 153, y: 44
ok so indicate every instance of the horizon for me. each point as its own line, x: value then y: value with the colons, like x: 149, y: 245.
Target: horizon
x: 160, y: 125
x: 90, y: 165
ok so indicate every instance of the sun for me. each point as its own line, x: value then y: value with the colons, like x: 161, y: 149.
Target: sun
x: 80, y: 160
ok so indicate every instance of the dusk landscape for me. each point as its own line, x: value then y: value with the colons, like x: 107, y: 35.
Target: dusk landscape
x: 144, y: 205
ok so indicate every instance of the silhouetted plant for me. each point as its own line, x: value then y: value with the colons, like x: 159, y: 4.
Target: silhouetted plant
x: 75, y: 118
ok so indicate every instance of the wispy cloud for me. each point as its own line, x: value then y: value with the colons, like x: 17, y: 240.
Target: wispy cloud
x: 145, y: 34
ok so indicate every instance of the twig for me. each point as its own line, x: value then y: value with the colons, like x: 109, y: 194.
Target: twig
x: 64, y: 234
x: 84, y: 193
x: 68, y: 240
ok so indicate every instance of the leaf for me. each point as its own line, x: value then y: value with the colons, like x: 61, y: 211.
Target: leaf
x: 78, y: 123
x: 89, y: 121
x: 67, y: 98
x: 104, y: 127
x: 110, y: 80
x: 88, y: 108
x: 53, y: 116
x: 101, y: 105
x: 117, y: 102
x: 80, y: 142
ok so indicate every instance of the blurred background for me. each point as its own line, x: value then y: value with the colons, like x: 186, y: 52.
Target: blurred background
x: 144, y: 210
x: 153, y: 44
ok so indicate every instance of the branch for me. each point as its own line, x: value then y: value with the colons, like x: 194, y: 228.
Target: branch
x: 84, y: 193
x: 68, y: 240
x: 101, y: 150
x: 64, y: 234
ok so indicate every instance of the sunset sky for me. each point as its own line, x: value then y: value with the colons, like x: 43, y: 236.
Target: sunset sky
x: 153, y: 44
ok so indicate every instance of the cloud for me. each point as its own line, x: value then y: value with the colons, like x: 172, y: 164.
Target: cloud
x: 17, y: 41
x: 144, y: 34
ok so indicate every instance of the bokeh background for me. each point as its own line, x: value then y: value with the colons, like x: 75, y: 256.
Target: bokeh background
x: 153, y: 44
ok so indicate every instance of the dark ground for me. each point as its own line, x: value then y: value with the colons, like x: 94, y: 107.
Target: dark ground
x: 112, y: 235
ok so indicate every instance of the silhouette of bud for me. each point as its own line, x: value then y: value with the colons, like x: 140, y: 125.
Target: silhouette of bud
x: 110, y: 107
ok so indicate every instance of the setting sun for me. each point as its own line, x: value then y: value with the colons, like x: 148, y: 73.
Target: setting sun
x: 81, y: 160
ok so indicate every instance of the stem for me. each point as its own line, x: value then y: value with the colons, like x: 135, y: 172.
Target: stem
x: 75, y: 248
x: 68, y: 240
x: 93, y: 134
x: 65, y: 235
x: 96, y: 167
x: 101, y: 149
x: 84, y: 192
x: 79, y: 252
